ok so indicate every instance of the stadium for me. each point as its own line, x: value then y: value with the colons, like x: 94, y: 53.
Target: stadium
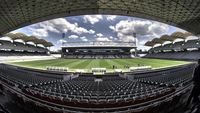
x: 90, y: 72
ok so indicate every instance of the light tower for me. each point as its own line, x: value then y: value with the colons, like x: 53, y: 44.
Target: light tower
x: 63, y: 36
x: 62, y: 42
x: 134, y: 35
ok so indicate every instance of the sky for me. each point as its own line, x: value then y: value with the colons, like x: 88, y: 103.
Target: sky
x: 98, y: 28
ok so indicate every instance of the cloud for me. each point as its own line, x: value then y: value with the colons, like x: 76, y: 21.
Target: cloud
x: 84, y: 39
x: 91, y: 31
x: 140, y: 45
x: 92, y: 19
x: 102, y: 39
x: 157, y: 28
x: 59, y: 25
x: 61, y: 41
x: 144, y: 29
x: 15, y: 31
x: 180, y: 30
x: 122, y: 30
x: 39, y: 32
x: 54, y: 48
x: 99, y: 34
x: 73, y: 37
x: 111, y: 37
x: 112, y: 28
x: 126, y: 28
x: 115, y: 39
x: 110, y: 17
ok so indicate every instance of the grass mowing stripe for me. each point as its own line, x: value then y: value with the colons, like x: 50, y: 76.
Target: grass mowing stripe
x: 40, y: 64
x: 103, y: 63
x: 144, y: 62
x: 99, y: 63
x: 126, y: 62
x: 36, y: 63
x: 43, y: 64
x: 112, y: 62
x: 92, y: 64
x: 59, y: 62
x: 74, y: 64
x: 83, y: 64
x: 162, y: 63
x: 63, y: 63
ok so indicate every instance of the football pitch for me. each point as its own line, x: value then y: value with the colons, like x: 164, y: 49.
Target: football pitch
x: 88, y: 64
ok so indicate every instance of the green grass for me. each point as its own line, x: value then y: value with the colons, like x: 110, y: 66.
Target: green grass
x: 87, y: 64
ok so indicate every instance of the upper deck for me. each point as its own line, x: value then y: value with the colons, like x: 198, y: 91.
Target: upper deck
x: 101, y: 44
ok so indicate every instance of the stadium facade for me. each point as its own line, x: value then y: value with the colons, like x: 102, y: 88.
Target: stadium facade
x: 98, y: 49
x: 186, y: 49
x: 23, y: 48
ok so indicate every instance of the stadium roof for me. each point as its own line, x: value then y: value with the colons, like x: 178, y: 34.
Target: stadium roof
x: 180, y: 35
x: 15, y: 36
x: 25, y: 38
x: 30, y: 39
x: 157, y: 41
x: 166, y: 38
x: 47, y: 44
x: 153, y: 42
x: 172, y: 37
x: 181, y: 13
x: 99, y: 44
x: 150, y: 43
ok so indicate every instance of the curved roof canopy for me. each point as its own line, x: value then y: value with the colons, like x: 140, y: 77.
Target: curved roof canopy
x: 177, y: 35
x: 149, y: 43
x: 153, y: 42
x: 16, y: 36
x: 157, y: 41
x: 166, y: 38
x: 26, y: 38
x: 47, y: 44
x: 19, y: 13
x: 30, y: 39
x: 172, y: 37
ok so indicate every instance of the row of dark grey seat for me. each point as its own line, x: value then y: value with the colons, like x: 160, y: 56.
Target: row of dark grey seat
x: 24, y: 77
